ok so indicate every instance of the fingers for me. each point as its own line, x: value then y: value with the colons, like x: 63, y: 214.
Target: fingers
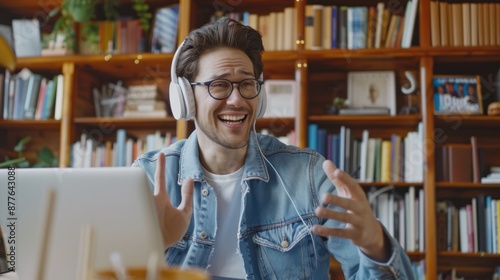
x: 348, y: 233
x: 160, y: 175
x: 349, y: 216
x: 346, y: 185
x: 187, y: 196
x: 343, y: 202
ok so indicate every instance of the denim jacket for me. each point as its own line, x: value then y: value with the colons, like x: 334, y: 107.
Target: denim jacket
x: 274, y: 240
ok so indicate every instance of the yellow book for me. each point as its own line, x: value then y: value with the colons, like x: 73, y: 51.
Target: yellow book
x: 443, y: 23
x: 327, y: 28
x: 486, y: 24
x: 435, y: 29
x: 309, y: 27
x: 493, y: 31
x: 386, y: 161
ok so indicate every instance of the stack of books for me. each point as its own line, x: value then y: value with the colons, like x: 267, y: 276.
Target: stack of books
x: 493, y: 177
x: 142, y: 102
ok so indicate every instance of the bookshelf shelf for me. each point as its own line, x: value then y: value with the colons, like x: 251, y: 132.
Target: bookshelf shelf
x: 416, y: 256
x: 318, y: 74
x: 31, y: 124
x: 146, y: 123
x: 396, y: 185
x: 276, y: 123
x: 363, y: 53
x: 468, y: 121
x: 465, y: 185
x: 386, y: 121
x: 480, y: 255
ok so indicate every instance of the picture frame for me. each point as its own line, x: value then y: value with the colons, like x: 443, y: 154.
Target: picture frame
x: 457, y: 94
x: 372, y: 90
x: 280, y: 98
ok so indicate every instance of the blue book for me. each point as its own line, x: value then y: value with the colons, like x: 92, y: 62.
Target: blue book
x: 336, y: 149
x: 329, y: 146
x: 164, y: 36
x: 31, y: 99
x: 312, y: 136
x: 50, y: 98
x: 359, y: 27
x: 120, y: 149
x: 334, y: 27
x: 489, y: 237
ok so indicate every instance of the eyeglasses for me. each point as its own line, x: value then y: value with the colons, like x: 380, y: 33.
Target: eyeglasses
x: 221, y: 88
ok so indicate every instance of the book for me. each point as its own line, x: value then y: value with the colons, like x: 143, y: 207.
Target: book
x: 308, y: 27
x: 476, y: 175
x: 59, y: 97
x: 32, y: 92
x: 379, y: 24
x: 20, y: 92
x: 409, y: 24
x: 50, y: 97
x: 474, y: 33
x: 164, y: 33
x: 317, y: 34
x: 466, y: 27
x: 41, y: 98
x: 327, y: 28
x: 457, y: 27
x: 312, y: 134
x: 386, y: 161
x: 460, y: 162
x: 443, y: 24
x: 435, y: 29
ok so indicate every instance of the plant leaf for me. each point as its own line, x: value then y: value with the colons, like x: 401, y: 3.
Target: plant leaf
x: 20, y: 145
x: 46, y: 156
x: 11, y: 162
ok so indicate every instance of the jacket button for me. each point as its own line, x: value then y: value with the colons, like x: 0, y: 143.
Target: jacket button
x: 204, y: 192
x: 284, y: 244
x: 203, y: 235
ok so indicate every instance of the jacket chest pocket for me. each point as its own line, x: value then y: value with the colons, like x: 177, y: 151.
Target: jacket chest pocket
x: 285, y: 252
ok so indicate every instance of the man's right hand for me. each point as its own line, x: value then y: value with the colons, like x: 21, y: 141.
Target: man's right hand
x: 174, y: 222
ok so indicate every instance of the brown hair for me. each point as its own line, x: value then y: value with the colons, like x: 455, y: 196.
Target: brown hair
x: 223, y: 33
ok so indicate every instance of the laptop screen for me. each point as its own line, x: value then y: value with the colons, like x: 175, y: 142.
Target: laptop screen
x: 117, y: 203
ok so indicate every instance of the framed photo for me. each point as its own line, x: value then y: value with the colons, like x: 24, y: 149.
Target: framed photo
x: 280, y: 98
x: 372, y: 90
x: 457, y: 95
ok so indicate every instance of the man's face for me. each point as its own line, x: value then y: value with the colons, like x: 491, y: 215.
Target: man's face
x: 224, y: 122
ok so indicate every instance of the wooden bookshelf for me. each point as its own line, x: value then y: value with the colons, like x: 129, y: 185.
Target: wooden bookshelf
x: 316, y: 72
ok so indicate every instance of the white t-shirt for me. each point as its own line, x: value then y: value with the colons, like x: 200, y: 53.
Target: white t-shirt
x: 226, y: 262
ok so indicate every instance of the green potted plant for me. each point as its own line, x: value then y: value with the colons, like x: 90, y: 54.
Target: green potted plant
x: 45, y: 157
x: 71, y: 12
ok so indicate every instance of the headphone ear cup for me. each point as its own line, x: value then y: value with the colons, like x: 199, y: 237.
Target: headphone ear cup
x: 177, y: 103
x: 188, y: 96
x: 262, y: 102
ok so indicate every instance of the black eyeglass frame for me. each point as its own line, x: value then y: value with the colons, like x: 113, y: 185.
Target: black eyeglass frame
x: 208, y: 83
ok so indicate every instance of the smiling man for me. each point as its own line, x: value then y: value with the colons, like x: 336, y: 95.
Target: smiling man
x: 245, y: 206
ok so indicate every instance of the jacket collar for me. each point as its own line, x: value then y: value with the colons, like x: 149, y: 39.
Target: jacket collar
x: 190, y: 165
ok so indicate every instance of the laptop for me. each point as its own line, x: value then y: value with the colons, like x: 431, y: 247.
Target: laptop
x: 116, y: 202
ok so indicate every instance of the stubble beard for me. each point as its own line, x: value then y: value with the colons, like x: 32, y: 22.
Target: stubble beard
x: 216, y: 138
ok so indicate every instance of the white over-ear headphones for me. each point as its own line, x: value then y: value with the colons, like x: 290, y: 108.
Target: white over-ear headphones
x: 182, y: 97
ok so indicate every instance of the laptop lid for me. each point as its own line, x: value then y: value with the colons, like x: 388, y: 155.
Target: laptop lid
x: 116, y: 201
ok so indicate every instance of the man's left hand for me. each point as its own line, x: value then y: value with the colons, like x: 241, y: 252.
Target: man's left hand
x: 362, y: 228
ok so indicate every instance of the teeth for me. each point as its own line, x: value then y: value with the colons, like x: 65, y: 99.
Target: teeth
x: 232, y: 118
